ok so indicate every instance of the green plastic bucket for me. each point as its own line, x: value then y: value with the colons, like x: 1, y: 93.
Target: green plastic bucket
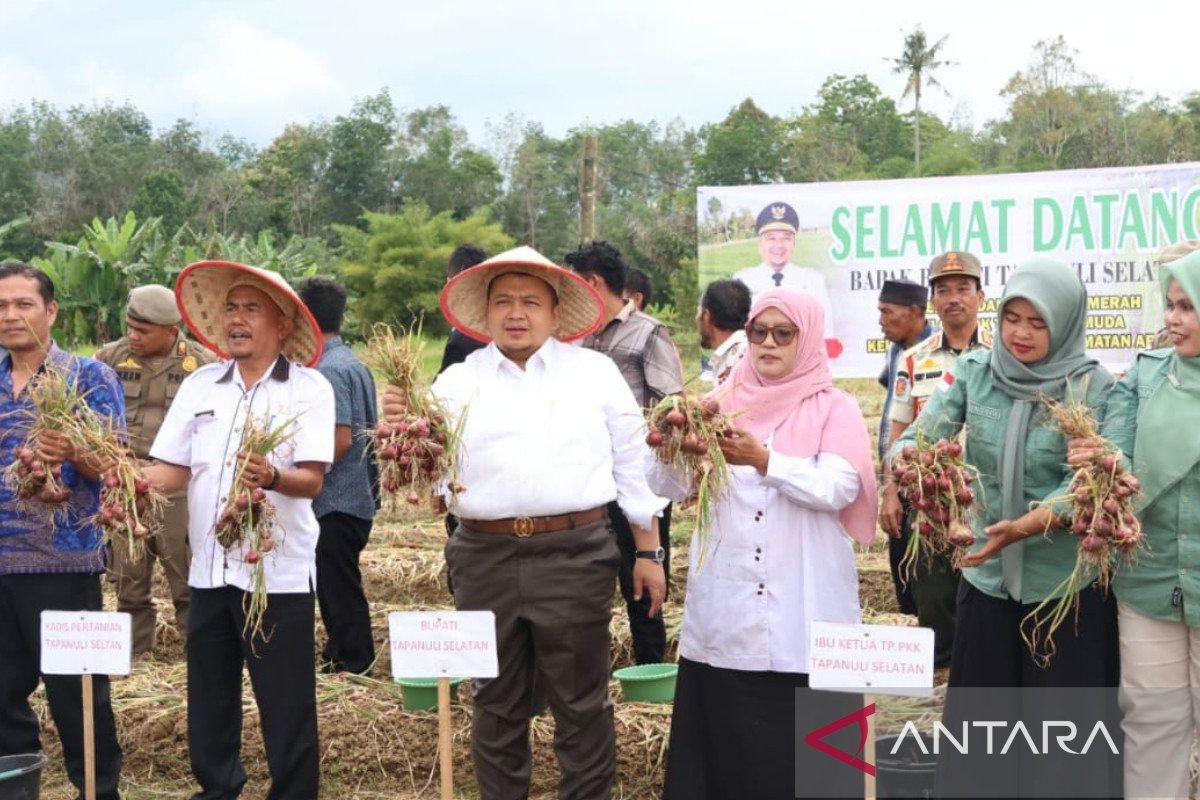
x: 21, y: 776
x: 648, y: 683
x: 420, y: 694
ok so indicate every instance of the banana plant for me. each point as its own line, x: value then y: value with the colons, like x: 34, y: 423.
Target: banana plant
x: 300, y: 258
x: 101, y: 268
x: 76, y: 313
x: 11, y: 226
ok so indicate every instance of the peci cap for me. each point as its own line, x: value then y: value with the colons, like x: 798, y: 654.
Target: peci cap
x: 904, y: 293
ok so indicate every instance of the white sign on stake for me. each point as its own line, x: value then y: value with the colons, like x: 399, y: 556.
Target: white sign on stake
x: 443, y: 644
x: 85, y: 643
x: 875, y: 659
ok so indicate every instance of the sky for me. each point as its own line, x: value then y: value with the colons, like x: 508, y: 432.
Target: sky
x: 249, y: 68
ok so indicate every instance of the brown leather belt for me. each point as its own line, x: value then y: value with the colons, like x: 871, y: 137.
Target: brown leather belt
x: 527, y: 526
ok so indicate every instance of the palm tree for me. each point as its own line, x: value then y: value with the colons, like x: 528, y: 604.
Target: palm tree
x: 918, y: 61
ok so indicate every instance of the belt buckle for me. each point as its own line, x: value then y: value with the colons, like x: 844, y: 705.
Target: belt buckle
x: 523, y: 526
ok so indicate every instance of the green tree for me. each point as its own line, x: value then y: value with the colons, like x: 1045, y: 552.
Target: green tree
x: 745, y: 147
x: 360, y: 171
x: 286, y: 178
x: 1045, y: 109
x: 439, y: 167
x: 162, y: 195
x: 917, y: 62
x: 396, y: 267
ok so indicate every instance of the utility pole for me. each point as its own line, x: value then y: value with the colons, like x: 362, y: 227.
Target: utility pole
x: 587, y: 194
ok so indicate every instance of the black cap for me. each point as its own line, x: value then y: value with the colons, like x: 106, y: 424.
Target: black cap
x: 904, y: 293
x: 777, y: 217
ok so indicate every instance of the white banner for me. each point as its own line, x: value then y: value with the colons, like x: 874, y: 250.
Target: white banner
x: 443, y: 644
x: 80, y: 642
x: 1109, y: 224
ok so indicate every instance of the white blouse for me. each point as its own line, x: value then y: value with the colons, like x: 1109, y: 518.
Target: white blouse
x: 778, y: 559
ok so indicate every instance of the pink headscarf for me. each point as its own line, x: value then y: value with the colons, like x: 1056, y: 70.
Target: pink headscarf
x: 803, y: 411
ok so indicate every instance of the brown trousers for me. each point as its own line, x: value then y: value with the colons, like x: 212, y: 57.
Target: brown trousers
x: 168, y: 545
x: 552, y: 595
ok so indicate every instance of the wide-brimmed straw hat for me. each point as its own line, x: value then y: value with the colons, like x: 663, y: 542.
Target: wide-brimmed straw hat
x: 464, y: 298
x: 201, y: 290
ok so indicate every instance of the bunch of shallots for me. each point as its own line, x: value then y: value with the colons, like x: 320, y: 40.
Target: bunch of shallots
x: 31, y: 479
x: 57, y: 406
x: 1102, y: 498
x: 935, y: 481
x: 416, y: 455
x: 129, y: 505
x: 684, y: 433
x: 413, y: 456
x: 248, y: 520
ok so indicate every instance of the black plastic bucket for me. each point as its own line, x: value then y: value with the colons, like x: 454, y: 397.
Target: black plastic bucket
x: 908, y: 773
x: 21, y: 776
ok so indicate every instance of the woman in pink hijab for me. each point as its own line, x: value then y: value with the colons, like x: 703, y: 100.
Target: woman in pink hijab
x: 801, y: 491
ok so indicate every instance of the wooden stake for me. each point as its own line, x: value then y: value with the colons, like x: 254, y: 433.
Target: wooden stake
x: 445, y: 740
x: 89, y: 739
x: 869, y: 751
x: 587, y: 194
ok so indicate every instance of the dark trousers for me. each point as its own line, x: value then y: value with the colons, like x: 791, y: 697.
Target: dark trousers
x: 552, y: 597
x: 649, y: 634
x: 934, y: 587
x: 739, y: 735
x: 993, y: 676
x: 22, y: 600
x: 344, y: 610
x: 282, y: 674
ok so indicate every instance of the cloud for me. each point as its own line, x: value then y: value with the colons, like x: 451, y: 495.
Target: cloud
x: 21, y: 81
x: 236, y: 71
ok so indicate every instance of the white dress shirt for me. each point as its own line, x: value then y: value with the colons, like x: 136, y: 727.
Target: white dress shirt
x: 778, y: 560
x: 202, y: 431
x: 807, y: 279
x: 562, y: 435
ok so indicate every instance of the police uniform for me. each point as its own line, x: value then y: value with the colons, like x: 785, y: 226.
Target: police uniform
x: 150, y: 387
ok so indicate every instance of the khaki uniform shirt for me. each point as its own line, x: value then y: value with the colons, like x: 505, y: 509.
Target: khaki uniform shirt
x: 151, y: 384
x: 921, y: 370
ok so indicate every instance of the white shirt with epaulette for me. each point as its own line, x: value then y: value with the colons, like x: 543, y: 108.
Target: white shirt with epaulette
x: 922, y: 368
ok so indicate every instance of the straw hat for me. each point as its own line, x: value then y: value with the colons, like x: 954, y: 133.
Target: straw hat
x: 201, y: 290
x: 464, y: 298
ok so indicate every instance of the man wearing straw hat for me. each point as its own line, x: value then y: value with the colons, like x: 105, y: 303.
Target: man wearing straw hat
x: 252, y: 318
x: 152, y: 360
x: 551, y: 435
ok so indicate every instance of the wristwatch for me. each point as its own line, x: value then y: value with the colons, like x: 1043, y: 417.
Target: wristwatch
x: 657, y: 555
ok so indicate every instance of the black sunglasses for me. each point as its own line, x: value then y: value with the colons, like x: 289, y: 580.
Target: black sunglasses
x: 782, y: 334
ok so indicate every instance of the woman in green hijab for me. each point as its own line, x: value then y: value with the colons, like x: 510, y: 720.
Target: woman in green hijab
x: 1022, y: 551
x: 1154, y: 416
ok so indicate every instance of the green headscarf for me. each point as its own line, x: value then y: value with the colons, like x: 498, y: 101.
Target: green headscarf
x: 1158, y: 459
x: 1059, y: 296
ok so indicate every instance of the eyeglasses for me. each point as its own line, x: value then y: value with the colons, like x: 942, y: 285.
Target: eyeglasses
x: 782, y: 334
